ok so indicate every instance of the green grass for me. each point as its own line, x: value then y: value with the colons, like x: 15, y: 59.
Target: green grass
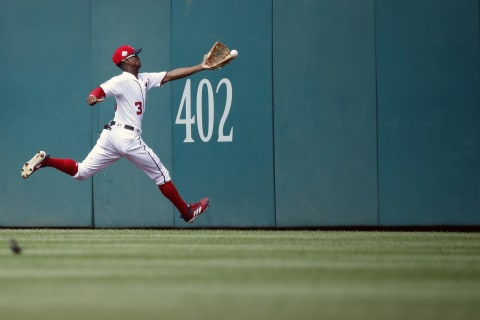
x: 232, y: 274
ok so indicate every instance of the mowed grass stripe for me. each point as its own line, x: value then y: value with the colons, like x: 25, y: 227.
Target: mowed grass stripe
x: 236, y: 274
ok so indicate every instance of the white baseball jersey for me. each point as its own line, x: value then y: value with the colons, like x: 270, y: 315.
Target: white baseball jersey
x: 123, y: 138
x: 131, y: 95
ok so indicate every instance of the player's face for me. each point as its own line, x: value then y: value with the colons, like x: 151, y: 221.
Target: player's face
x: 134, y: 61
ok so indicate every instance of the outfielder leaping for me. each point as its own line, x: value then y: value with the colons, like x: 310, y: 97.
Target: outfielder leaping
x: 121, y: 137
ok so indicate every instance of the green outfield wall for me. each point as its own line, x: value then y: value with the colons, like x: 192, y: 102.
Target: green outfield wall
x: 336, y: 113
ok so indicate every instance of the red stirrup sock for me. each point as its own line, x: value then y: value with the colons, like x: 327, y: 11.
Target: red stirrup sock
x: 68, y: 166
x: 168, y: 190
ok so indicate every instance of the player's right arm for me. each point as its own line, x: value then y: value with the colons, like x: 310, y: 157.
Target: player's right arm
x: 96, y: 95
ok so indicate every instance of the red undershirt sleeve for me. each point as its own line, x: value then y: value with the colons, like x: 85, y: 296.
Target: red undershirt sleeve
x: 98, y: 92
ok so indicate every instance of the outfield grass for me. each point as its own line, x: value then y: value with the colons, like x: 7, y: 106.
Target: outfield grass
x: 232, y: 274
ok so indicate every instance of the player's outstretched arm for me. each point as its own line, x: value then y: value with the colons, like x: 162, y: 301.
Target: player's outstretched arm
x: 185, y: 72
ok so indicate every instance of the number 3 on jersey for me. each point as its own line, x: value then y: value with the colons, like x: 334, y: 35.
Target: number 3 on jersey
x: 139, y: 106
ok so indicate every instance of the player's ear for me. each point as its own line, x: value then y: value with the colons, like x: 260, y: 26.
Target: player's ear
x: 125, y: 63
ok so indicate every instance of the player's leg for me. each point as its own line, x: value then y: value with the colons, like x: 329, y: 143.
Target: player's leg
x: 98, y: 158
x: 41, y: 159
x: 169, y: 190
x: 189, y: 212
x: 66, y: 165
x: 103, y: 154
x: 146, y: 160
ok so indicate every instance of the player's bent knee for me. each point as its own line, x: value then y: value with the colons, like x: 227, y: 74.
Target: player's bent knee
x: 82, y: 173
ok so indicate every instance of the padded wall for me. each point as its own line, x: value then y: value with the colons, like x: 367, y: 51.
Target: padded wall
x: 325, y: 113
x: 428, y: 111
x: 45, y: 76
x: 336, y: 113
x: 230, y: 155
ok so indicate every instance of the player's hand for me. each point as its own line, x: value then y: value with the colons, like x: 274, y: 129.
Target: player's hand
x: 205, y: 65
x: 92, y: 100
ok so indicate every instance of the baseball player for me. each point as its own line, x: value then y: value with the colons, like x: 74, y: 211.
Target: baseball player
x: 121, y: 136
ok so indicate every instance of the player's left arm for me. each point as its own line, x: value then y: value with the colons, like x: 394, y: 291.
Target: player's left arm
x: 185, y: 72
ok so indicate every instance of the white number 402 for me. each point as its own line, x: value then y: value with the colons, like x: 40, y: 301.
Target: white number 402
x: 189, y: 119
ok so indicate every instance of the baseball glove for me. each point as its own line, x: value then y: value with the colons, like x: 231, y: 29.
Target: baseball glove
x: 219, y: 55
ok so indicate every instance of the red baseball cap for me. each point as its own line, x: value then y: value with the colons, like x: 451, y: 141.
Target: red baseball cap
x: 124, y: 52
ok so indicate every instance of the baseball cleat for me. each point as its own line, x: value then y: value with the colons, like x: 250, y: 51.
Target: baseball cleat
x: 34, y: 164
x: 196, y: 209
